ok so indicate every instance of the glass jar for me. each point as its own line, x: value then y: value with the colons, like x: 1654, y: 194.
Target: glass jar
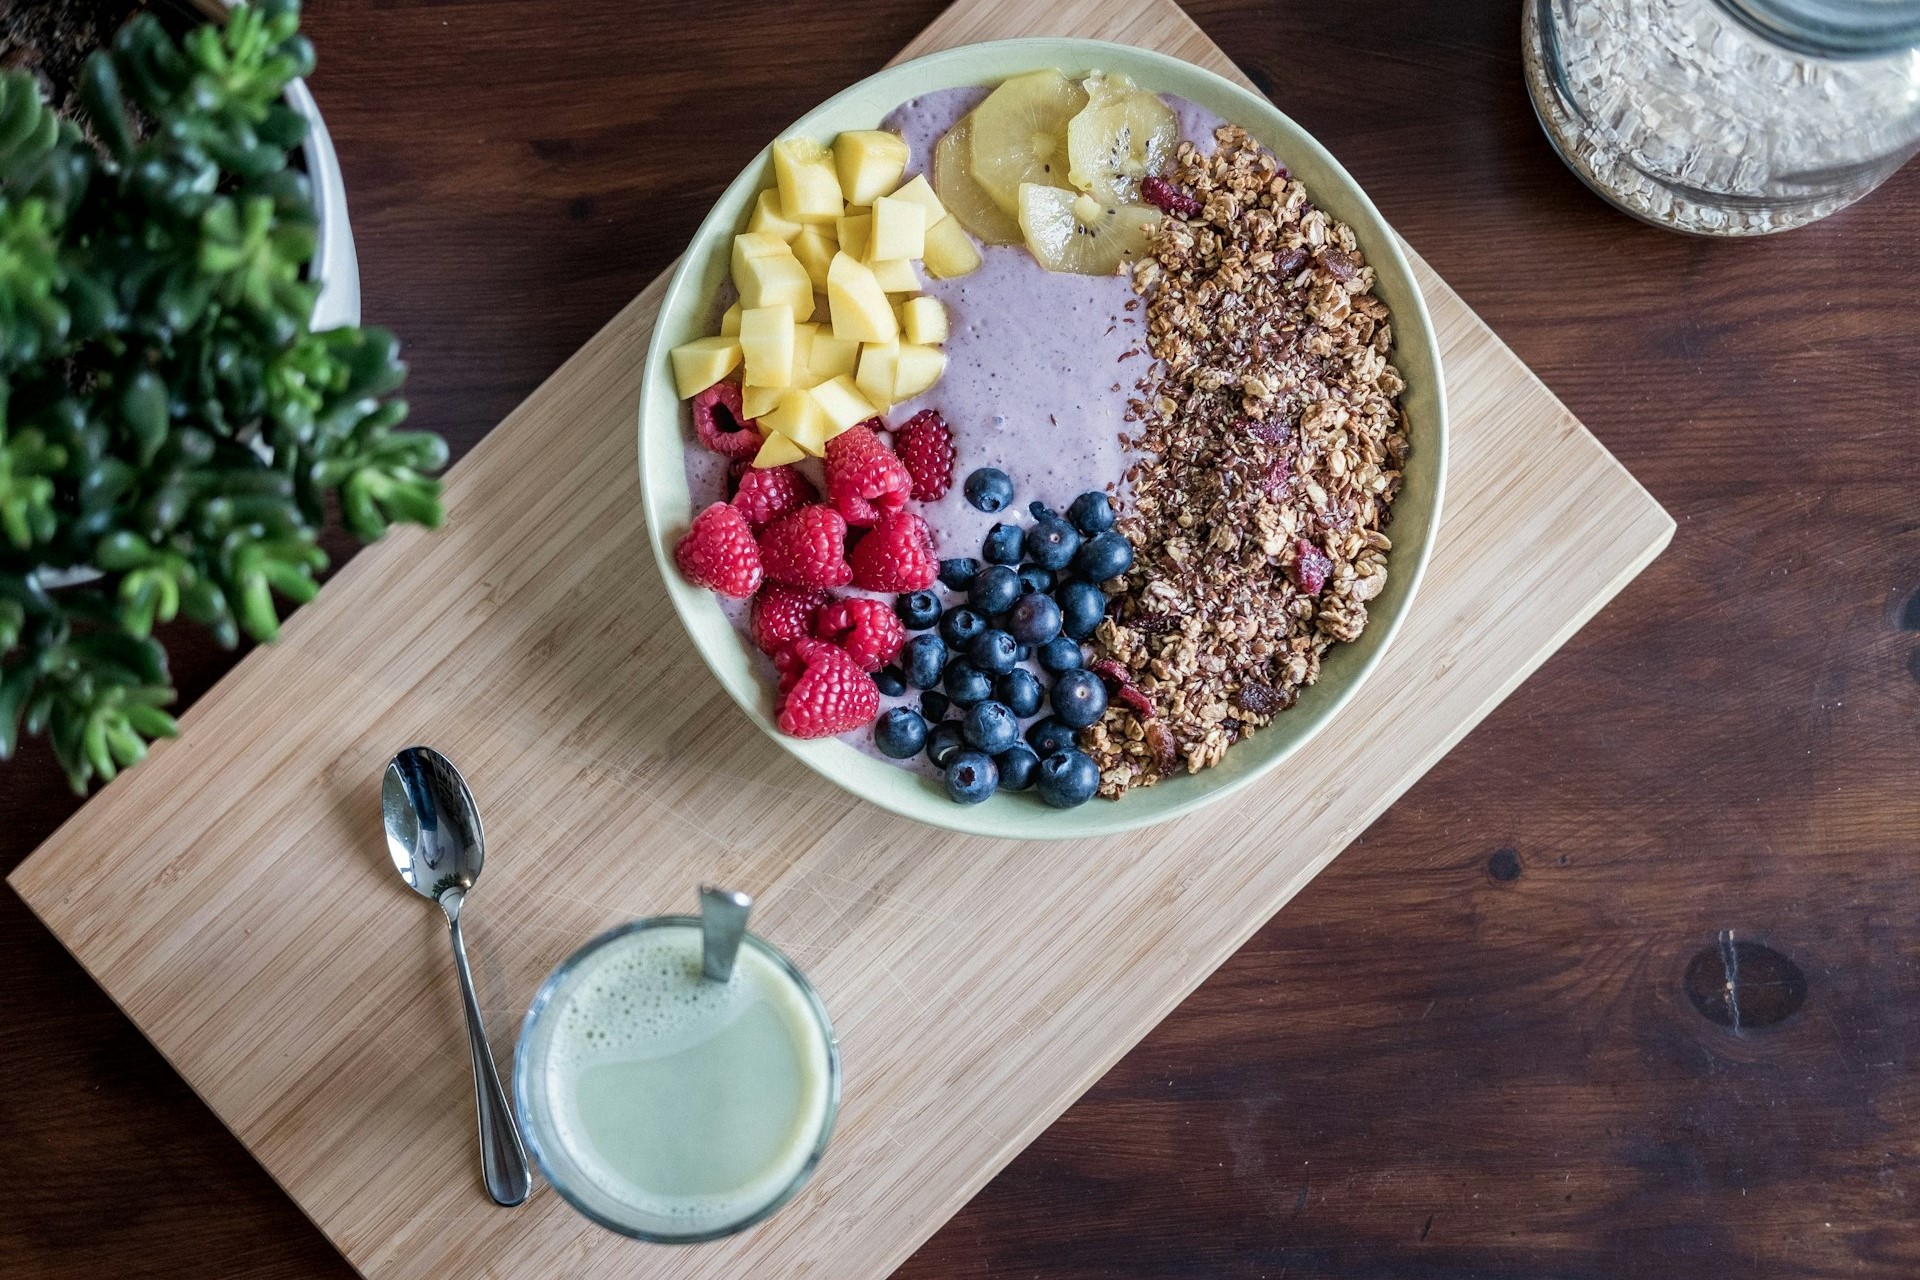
x: 1727, y: 117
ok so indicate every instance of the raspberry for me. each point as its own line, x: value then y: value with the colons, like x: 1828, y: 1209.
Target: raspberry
x: 895, y: 555
x: 864, y: 478
x: 782, y: 614
x: 806, y: 548
x: 767, y: 493
x: 867, y: 629
x: 823, y: 692
x: 718, y: 551
x: 1166, y: 197
x: 1310, y: 567
x: 925, y: 447
x: 717, y: 421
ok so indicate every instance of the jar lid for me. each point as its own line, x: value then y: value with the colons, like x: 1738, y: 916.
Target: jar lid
x: 1833, y: 28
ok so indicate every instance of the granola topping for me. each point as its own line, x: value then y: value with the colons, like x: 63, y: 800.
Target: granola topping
x: 1272, y: 442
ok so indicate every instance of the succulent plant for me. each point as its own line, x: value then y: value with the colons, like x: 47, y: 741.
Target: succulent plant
x: 168, y: 418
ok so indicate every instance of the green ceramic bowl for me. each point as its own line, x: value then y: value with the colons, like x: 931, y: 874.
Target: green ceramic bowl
x: 665, y: 431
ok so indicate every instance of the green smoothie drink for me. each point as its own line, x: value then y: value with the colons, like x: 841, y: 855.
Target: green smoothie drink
x: 668, y: 1106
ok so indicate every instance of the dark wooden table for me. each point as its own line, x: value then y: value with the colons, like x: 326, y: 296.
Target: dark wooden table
x: 1494, y: 1039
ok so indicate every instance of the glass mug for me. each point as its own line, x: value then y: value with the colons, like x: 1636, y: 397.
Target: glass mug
x: 666, y: 1106
x: 1727, y: 117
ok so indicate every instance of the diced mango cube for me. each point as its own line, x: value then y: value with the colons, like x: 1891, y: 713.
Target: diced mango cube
x: 916, y: 368
x: 950, y: 250
x: 857, y: 303
x: 869, y: 162
x: 768, y: 218
x: 830, y: 356
x: 755, y: 401
x: 730, y: 321
x: 809, y: 184
x: 699, y: 364
x: 804, y: 336
x: 749, y: 245
x: 798, y: 416
x: 899, y: 230
x: 919, y: 191
x: 855, y: 228
x: 766, y: 339
x: 815, y: 247
x: 896, y: 275
x: 774, y: 282
x: 876, y: 375
x: 777, y: 450
x: 842, y: 402
x: 924, y: 320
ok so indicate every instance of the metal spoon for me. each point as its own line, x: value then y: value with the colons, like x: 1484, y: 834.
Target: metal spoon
x: 434, y: 837
x: 723, y: 921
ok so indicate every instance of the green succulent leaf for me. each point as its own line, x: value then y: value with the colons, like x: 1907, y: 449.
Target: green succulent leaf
x: 167, y: 415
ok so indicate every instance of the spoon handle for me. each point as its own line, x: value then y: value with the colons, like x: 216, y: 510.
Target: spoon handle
x: 503, y: 1161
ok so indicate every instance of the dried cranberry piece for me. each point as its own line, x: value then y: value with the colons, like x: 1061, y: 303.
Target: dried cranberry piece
x: 1123, y: 688
x: 1167, y: 198
x: 1160, y: 744
x: 1337, y: 264
x: 1259, y: 699
x: 1310, y: 567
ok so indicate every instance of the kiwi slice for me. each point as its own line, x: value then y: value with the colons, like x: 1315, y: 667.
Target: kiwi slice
x: 1072, y: 231
x: 965, y: 198
x: 1122, y: 135
x: 1020, y: 135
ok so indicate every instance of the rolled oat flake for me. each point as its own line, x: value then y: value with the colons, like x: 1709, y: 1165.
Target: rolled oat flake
x: 1727, y: 117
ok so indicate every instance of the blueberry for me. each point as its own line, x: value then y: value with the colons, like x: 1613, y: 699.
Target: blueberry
x: 966, y: 684
x: 1052, y: 542
x: 1062, y: 653
x: 1003, y: 544
x: 917, y: 610
x: 944, y: 743
x: 1019, y: 690
x: 989, y: 489
x: 990, y: 727
x: 924, y: 658
x: 1091, y: 513
x: 1041, y: 511
x: 959, y: 626
x: 972, y: 776
x: 993, y: 651
x: 1034, y: 578
x: 900, y: 733
x: 1049, y: 735
x: 1067, y: 778
x: 958, y: 573
x: 1034, y: 618
x: 1078, y: 698
x: 1104, y: 555
x: 1082, y: 605
x: 1024, y: 652
x: 995, y: 590
x: 892, y: 682
x: 1017, y: 766
x: 933, y: 705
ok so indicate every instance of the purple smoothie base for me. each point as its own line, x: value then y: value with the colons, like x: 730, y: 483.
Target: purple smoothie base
x: 1040, y: 366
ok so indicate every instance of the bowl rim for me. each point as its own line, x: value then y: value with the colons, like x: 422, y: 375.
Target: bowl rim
x: 1413, y: 324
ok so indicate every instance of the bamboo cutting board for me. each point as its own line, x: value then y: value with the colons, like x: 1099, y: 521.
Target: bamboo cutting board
x: 979, y: 986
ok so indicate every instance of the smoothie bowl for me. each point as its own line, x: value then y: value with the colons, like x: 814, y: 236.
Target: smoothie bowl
x: 1042, y: 438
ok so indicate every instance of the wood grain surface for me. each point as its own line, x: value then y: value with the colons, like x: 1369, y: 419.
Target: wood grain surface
x: 1469, y: 1049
